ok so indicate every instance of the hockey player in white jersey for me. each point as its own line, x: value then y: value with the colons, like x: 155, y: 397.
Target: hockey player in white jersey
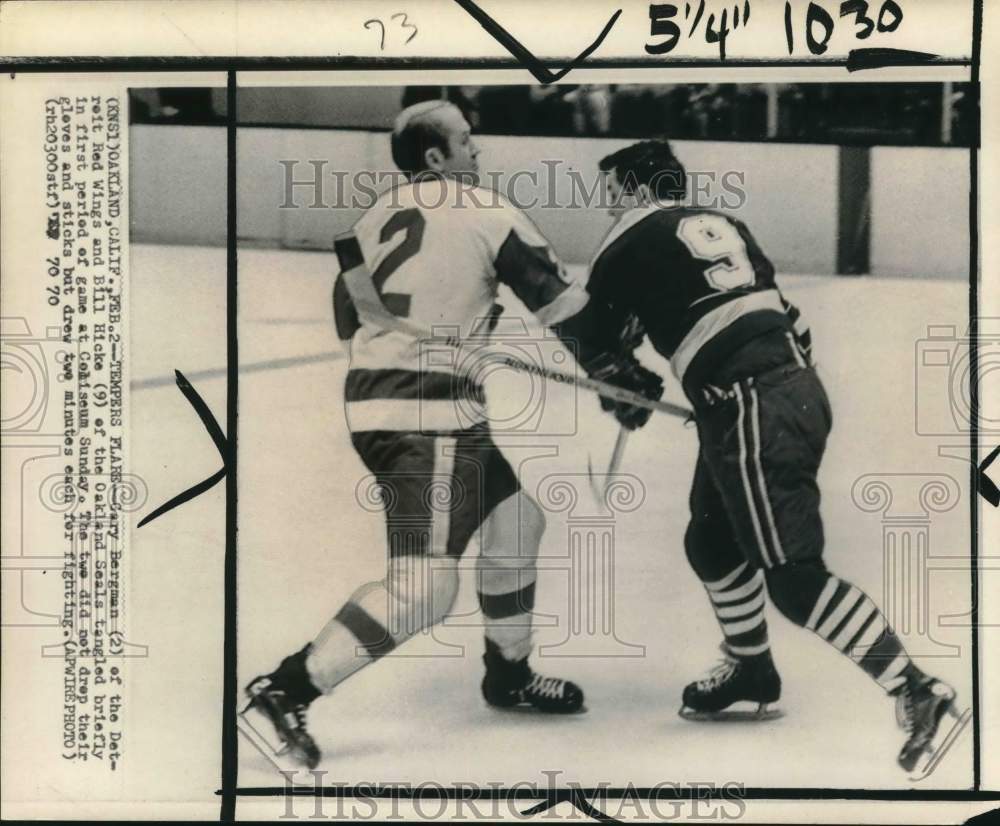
x: 430, y: 254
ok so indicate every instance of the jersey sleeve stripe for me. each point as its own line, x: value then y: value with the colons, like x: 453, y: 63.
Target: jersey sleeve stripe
x: 568, y: 303
x: 532, y: 272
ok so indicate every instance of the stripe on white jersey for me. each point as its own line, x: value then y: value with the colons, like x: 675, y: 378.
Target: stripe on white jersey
x: 413, y: 414
x: 444, y: 465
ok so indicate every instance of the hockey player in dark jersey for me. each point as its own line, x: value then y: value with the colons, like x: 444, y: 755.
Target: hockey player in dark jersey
x: 700, y: 287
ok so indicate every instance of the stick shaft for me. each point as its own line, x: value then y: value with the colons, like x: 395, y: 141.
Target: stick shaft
x: 600, y: 493
x: 619, y: 451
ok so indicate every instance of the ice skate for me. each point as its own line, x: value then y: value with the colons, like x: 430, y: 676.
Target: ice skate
x: 513, y: 685
x: 921, y: 704
x: 283, y: 697
x: 288, y: 718
x: 736, y: 689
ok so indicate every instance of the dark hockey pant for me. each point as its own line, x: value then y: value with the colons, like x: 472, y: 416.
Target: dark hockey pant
x: 755, y: 496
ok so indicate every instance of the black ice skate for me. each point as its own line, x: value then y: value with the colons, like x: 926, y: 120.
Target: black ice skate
x: 283, y: 697
x: 736, y: 689
x: 513, y: 685
x: 920, y: 705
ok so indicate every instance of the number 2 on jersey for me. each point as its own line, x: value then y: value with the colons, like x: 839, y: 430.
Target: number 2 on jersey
x: 412, y: 222
x: 345, y: 313
x: 713, y: 239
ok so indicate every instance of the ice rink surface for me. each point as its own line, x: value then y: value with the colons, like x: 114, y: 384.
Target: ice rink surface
x: 305, y: 544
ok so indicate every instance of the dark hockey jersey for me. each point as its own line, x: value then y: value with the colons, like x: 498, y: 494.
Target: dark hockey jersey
x: 698, y: 283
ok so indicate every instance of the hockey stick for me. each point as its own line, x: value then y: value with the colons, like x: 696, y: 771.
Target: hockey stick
x: 367, y: 301
x: 613, y: 465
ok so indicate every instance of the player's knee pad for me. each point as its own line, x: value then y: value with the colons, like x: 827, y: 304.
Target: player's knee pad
x: 510, y: 545
x: 794, y: 587
x: 504, y: 575
x: 512, y: 533
x: 421, y: 590
x: 528, y: 523
x: 504, y: 571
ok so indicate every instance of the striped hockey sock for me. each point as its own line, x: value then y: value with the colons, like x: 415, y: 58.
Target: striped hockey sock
x: 738, y: 602
x: 507, y: 616
x: 356, y: 636
x: 846, y: 617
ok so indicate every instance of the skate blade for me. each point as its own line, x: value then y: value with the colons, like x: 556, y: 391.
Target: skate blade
x: 761, y: 714
x: 255, y: 727
x: 531, y: 711
x: 934, y: 754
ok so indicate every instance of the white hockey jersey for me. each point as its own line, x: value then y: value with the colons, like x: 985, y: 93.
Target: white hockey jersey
x: 436, y: 252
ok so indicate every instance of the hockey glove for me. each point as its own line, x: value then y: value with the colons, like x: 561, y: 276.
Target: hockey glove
x: 631, y: 335
x: 626, y: 372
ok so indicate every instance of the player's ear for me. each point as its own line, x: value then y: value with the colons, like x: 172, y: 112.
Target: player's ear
x: 643, y: 195
x: 434, y: 158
